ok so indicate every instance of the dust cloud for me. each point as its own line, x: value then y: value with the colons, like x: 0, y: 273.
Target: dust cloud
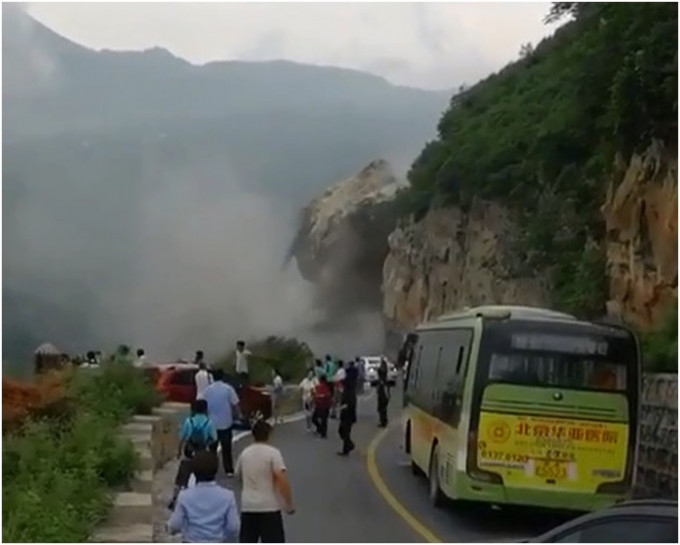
x: 194, y: 262
x: 210, y: 271
x: 188, y: 258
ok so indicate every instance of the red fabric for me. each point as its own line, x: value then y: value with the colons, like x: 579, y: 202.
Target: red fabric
x: 322, y: 396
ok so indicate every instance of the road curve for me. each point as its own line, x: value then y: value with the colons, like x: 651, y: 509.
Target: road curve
x: 372, y: 496
x: 335, y: 499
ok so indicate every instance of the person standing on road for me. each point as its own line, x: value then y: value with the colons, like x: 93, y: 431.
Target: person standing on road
x: 329, y: 372
x: 262, y: 473
x: 361, y: 374
x: 242, y: 364
x: 348, y: 410
x: 307, y: 389
x: 322, y: 406
x: 277, y: 396
x: 319, y: 369
x: 223, y: 405
x: 383, y: 390
x: 207, y: 512
x: 202, y: 379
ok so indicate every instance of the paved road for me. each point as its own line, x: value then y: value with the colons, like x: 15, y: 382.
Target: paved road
x: 334, y: 497
x: 453, y: 522
x: 346, y: 500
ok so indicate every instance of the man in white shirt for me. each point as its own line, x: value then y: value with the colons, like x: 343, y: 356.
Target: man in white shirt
x: 307, y: 387
x: 140, y: 361
x: 242, y: 364
x: 203, y: 379
x: 262, y: 472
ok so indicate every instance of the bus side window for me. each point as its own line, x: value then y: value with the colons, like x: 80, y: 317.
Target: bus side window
x: 425, y: 387
x: 414, y: 370
x: 452, y: 375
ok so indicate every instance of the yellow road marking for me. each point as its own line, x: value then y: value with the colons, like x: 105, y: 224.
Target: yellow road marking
x: 393, y: 502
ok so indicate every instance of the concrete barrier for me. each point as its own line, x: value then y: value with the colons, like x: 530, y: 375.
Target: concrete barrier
x: 657, y: 471
x: 155, y: 440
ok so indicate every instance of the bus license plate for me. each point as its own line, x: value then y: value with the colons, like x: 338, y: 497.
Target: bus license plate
x: 551, y: 469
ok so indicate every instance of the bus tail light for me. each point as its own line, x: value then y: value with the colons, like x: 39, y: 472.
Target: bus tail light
x: 472, y: 470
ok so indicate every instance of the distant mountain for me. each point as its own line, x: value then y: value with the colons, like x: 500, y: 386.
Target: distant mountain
x: 95, y: 143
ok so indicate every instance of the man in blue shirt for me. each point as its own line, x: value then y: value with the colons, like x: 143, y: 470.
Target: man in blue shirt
x: 223, y: 403
x: 207, y: 512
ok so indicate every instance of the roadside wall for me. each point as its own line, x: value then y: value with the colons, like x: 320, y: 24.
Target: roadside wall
x: 657, y: 474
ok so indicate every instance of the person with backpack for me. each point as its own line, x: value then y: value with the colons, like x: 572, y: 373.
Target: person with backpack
x: 197, y: 434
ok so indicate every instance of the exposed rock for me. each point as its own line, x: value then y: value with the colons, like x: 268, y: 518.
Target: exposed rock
x: 342, y: 240
x: 452, y: 259
x: 641, y: 214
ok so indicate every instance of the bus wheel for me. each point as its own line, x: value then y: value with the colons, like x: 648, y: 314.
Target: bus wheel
x: 436, y: 495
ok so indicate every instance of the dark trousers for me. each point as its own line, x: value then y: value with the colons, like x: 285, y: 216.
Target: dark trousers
x: 320, y: 420
x: 224, y: 440
x: 265, y: 527
x: 243, y: 379
x: 345, y: 433
x: 383, y: 402
x: 184, y: 471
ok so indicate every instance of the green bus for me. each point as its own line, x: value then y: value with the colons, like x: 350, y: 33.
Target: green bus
x: 525, y: 406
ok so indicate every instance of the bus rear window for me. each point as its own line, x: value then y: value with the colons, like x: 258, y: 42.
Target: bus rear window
x: 557, y: 369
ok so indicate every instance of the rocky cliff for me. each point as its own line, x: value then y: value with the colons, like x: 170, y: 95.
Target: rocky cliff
x: 341, y: 242
x: 350, y: 244
x: 641, y: 214
x: 451, y: 259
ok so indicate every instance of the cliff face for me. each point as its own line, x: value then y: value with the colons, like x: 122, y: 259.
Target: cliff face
x: 341, y: 242
x: 641, y: 214
x: 350, y: 245
x: 452, y: 259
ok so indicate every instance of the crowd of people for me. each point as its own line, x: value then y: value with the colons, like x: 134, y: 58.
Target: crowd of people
x: 208, y: 512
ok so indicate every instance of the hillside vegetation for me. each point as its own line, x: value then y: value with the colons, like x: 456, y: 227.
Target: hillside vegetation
x: 543, y: 133
x: 61, y: 451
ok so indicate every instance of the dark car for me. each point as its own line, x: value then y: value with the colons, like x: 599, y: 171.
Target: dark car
x: 176, y: 383
x: 638, y: 521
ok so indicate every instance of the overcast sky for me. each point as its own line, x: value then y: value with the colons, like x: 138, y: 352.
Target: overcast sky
x: 423, y: 45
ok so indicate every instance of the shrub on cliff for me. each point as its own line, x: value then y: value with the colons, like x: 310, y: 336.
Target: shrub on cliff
x: 118, y: 389
x: 57, y: 471
x: 291, y: 357
x: 660, y: 346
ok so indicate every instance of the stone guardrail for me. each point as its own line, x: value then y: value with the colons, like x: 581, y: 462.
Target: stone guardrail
x: 657, y: 471
x: 155, y: 440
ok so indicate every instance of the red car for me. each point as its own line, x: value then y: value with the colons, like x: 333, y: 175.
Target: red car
x: 176, y: 383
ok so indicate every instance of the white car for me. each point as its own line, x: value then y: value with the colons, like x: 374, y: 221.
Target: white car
x: 372, y: 364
